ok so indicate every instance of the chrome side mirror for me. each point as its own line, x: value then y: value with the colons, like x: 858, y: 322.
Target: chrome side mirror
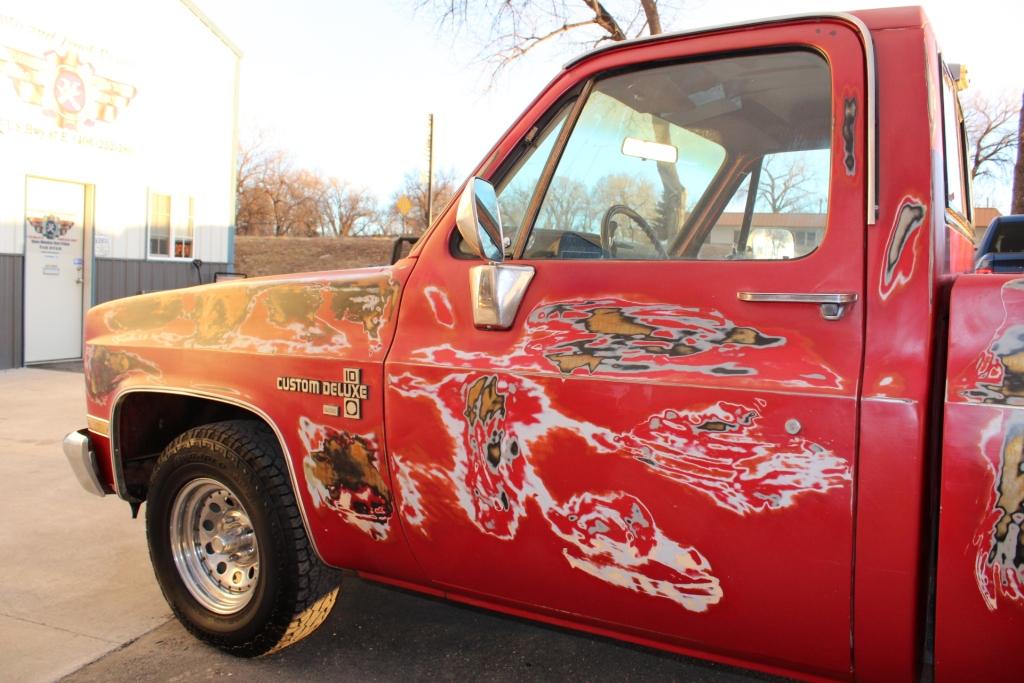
x: 479, y: 220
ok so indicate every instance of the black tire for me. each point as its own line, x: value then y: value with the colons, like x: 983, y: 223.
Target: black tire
x: 293, y: 592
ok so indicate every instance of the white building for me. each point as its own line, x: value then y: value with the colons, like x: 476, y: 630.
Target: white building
x: 118, y: 129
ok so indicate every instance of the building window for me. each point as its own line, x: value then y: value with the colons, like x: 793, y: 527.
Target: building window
x: 159, y: 224
x: 170, y: 236
x: 183, y: 238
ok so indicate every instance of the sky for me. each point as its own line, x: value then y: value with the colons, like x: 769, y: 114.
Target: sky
x: 346, y: 85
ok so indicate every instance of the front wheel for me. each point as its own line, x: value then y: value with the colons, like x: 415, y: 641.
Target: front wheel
x: 227, y: 542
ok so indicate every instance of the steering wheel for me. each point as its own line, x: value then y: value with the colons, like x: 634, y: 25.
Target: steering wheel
x: 608, y: 228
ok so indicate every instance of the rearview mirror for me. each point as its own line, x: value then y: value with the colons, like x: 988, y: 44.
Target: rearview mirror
x: 479, y: 221
x: 645, y: 149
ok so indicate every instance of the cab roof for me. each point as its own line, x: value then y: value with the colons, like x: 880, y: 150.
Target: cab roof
x: 866, y: 20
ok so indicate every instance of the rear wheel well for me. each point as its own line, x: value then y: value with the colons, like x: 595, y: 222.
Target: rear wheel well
x: 145, y: 422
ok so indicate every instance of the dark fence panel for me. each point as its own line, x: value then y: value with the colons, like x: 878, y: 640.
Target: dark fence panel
x: 117, y: 278
x: 114, y: 278
x: 11, y: 302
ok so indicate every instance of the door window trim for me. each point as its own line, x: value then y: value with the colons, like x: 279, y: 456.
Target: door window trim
x: 948, y: 88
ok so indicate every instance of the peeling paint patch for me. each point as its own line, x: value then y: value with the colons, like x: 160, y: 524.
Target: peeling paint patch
x: 440, y: 305
x: 412, y: 508
x: 614, y: 538
x: 999, y: 543
x: 901, y: 247
x: 370, y: 304
x: 625, y: 337
x: 342, y: 474
x: 721, y: 450
x: 288, y: 316
x: 144, y: 313
x: 724, y: 452
x: 489, y: 468
x: 615, y: 337
x: 610, y: 536
x: 849, y: 122
x: 107, y: 368
x: 999, y: 370
x: 497, y: 420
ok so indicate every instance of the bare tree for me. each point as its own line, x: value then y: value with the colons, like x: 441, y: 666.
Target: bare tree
x: 252, y: 152
x: 276, y: 198
x: 784, y: 186
x: 991, y: 133
x: 279, y: 197
x: 513, y: 202
x: 633, y: 190
x: 250, y: 209
x: 348, y: 210
x: 415, y: 189
x: 518, y: 26
x: 305, y: 194
x: 1017, y: 202
x: 567, y: 206
x: 265, y: 193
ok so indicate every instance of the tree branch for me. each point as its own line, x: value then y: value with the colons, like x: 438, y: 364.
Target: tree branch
x: 521, y: 44
x: 653, y: 18
x: 990, y: 133
x: 605, y: 20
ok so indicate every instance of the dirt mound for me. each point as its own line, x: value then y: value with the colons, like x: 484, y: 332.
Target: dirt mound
x: 256, y: 256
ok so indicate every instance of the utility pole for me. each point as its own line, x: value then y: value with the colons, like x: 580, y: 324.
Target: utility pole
x: 430, y: 171
x: 1017, y: 198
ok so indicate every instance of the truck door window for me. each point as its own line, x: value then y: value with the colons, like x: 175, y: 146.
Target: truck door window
x: 656, y: 154
x: 956, y: 195
x: 787, y: 216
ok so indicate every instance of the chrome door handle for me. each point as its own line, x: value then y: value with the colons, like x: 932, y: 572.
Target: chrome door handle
x: 833, y: 305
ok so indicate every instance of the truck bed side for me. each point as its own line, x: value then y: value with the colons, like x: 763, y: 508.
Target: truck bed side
x: 980, y: 579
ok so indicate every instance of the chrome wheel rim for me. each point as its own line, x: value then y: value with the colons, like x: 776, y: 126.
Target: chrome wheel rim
x: 214, y: 546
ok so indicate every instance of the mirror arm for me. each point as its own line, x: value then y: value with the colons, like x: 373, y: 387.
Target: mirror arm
x: 496, y: 292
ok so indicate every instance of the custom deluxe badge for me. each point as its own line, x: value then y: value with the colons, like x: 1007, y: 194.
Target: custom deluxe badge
x: 350, y: 390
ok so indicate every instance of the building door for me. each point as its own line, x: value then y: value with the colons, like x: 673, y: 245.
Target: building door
x: 54, y: 259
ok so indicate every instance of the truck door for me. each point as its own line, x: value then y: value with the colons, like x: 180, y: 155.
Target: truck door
x: 664, y: 442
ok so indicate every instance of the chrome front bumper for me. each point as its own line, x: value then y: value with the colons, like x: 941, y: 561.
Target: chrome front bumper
x: 82, y: 459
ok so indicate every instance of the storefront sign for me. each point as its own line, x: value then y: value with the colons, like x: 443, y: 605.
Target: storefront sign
x: 64, y: 81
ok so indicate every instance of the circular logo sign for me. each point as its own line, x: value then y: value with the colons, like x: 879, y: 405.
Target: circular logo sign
x: 69, y: 91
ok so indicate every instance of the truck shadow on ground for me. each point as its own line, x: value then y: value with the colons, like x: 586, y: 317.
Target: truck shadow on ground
x: 378, y: 633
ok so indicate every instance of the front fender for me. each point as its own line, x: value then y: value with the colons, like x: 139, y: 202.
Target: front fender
x: 306, y: 352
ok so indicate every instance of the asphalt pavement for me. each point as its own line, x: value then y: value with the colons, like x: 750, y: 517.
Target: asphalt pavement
x: 78, y: 600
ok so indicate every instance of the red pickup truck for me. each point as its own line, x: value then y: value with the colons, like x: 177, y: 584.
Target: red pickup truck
x: 691, y: 363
